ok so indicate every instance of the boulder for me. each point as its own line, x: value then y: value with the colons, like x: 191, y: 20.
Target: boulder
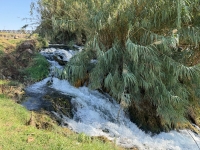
x: 60, y: 102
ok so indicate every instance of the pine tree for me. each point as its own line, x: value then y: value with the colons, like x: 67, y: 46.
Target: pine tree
x: 144, y: 52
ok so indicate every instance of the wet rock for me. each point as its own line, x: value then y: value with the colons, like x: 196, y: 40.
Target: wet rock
x: 47, y: 99
x: 105, y: 130
x: 60, y: 60
x: 146, y: 117
x: 60, y: 102
x: 60, y: 55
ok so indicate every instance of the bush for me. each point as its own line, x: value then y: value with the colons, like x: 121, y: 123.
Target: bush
x: 42, y: 42
x: 38, y: 69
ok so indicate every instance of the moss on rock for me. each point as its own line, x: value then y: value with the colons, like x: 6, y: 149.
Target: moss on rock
x: 61, y: 103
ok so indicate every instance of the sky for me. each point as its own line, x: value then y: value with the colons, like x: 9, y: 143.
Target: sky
x: 12, y: 12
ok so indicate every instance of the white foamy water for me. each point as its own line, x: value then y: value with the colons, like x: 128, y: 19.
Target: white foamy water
x: 61, y: 54
x: 98, y: 115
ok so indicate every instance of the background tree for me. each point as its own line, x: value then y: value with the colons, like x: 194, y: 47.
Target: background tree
x: 60, y: 20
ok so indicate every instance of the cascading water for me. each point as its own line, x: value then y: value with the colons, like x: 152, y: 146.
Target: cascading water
x: 97, y: 114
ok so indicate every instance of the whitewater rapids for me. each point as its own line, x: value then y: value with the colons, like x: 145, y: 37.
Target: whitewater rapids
x: 96, y: 114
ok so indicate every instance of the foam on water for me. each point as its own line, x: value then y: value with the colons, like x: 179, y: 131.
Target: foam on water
x: 96, y: 114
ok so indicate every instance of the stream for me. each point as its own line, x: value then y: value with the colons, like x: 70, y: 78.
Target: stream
x: 97, y: 114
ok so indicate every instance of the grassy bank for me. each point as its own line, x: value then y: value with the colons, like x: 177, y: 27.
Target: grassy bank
x: 7, y: 44
x: 16, y: 134
x: 22, y: 129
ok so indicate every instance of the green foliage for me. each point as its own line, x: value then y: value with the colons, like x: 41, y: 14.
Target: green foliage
x: 38, y: 69
x: 41, y: 42
x: 1, y: 51
x: 60, y: 20
x: 13, y: 83
x: 3, y: 82
x: 82, y: 138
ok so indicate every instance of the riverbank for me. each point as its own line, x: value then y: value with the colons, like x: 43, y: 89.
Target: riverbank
x: 21, y: 129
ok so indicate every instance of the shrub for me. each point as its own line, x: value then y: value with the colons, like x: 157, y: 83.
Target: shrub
x: 38, y: 68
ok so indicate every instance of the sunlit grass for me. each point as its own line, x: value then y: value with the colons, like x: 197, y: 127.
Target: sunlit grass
x: 4, y: 82
x: 6, y: 42
x: 15, y: 134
